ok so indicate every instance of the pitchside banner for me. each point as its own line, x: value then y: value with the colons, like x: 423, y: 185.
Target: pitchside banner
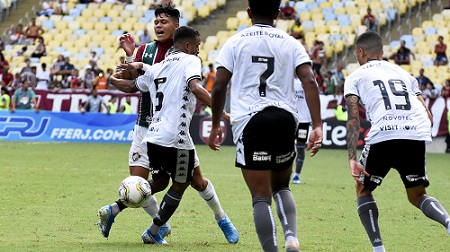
x: 66, y: 127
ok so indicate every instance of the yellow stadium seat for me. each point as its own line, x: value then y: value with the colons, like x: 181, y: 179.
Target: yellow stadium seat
x: 54, y: 43
x: 131, y: 20
x: 427, y: 24
x: 87, y: 25
x: 187, y: 3
x: 212, y: 39
x: 335, y: 29
x: 47, y: 36
x: 317, y: 16
x: 203, y: 55
x: 125, y: 13
x: 113, y: 13
x: 212, y: 4
x: 139, y: 26
x: 325, y: 5
x: 304, y: 16
x: 93, y: 6
x: 339, y: 46
x: 340, y: 11
x: 61, y: 25
x: 332, y: 22
x: 106, y: 6
x: 68, y: 44
x: 126, y: 26
x: 417, y: 31
x: 100, y: 13
x: 100, y: 26
x: 97, y: 38
x: 232, y: 23
x: 208, y: 46
x: 353, y: 11
x: 320, y: 29
x: 137, y: 13
x: 347, y: 30
x: 86, y: 12
x: 113, y: 26
x: 203, y: 11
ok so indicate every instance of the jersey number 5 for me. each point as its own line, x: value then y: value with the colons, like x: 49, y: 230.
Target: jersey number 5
x: 387, y: 100
x: 270, y: 61
x: 159, y: 95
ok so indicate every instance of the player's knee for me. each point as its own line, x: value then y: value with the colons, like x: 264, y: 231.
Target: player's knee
x: 199, y: 183
x: 415, y: 194
x: 139, y: 171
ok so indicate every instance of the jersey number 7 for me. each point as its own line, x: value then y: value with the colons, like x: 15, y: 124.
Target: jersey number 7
x: 270, y: 61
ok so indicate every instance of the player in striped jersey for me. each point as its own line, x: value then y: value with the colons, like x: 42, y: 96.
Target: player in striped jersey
x: 261, y: 61
x: 401, y: 126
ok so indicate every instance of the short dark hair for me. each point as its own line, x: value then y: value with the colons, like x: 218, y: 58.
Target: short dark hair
x: 4, y: 89
x: 184, y: 34
x: 264, y: 8
x: 169, y: 10
x: 370, y: 41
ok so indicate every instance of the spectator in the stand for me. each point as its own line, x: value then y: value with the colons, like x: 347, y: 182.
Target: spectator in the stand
x: 30, y: 77
x: 89, y: 77
x: 422, y: 79
x: 43, y: 77
x: 110, y: 106
x: 33, y: 30
x: 154, y: 4
x: 440, y: 49
x: 61, y: 7
x: 27, y: 67
x: 445, y: 92
x: 75, y: 81
x: 407, y: 50
x: 109, y: 73
x: 369, y: 20
x: 145, y: 37
x: 66, y: 68
x: 20, y: 52
x: 93, y: 103
x: 331, y: 84
x: 340, y: 112
x: 297, y: 29
x: 24, y: 98
x: 2, y: 44
x: 40, y: 49
x: 125, y: 108
x: 46, y: 8
x: 430, y: 92
x: 5, y: 99
x: 94, y: 57
x: 16, y: 83
x: 337, y: 72
x: 319, y: 58
x: 319, y: 81
x: 100, y: 82
x: 210, y: 77
x: 16, y: 35
x: 287, y: 12
x: 401, y: 57
x: 3, y: 61
x: 6, y: 77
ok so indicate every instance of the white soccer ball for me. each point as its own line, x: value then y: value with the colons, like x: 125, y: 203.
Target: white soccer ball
x: 135, y: 191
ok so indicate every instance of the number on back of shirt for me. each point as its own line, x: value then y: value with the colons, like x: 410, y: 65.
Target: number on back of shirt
x: 270, y: 61
x: 392, y: 84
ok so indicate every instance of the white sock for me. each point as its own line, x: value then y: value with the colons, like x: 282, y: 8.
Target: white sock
x: 115, y: 209
x: 210, y: 196
x: 152, y: 207
x: 379, y: 249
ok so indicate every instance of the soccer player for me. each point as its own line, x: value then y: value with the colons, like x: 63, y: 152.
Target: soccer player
x: 304, y: 118
x: 261, y: 61
x: 401, y: 125
x: 172, y: 84
x: 166, y: 22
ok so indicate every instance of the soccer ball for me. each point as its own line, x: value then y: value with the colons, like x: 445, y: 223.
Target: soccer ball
x: 135, y: 191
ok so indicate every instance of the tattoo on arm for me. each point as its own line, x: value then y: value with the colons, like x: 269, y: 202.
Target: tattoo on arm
x: 353, y: 125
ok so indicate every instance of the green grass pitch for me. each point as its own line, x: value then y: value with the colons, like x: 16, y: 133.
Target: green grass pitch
x: 50, y: 194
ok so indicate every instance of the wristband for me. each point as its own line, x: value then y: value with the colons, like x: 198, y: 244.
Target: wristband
x: 129, y: 59
x: 145, y: 67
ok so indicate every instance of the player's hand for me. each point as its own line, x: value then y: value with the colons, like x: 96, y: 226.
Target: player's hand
x: 127, y: 43
x: 356, y: 170
x: 215, y: 138
x: 315, y: 141
x: 129, y: 66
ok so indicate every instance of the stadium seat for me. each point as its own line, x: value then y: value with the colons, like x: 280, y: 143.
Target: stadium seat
x: 232, y: 23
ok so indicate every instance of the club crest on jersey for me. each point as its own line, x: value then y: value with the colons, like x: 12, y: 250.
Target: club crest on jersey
x: 135, y: 156
x: 205, y: 129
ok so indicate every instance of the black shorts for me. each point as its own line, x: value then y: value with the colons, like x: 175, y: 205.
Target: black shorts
x: 268, y: 141
x: 178, y: 163
x: 302, y: 132
x: 406, y: 156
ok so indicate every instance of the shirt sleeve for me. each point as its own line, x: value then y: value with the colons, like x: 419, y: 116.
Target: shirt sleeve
x: 351, y: 86
x: 194, y: 70
x: 142, y: 82
x: 225, y: 58
x: 139, y: 53
x: 301, y: 57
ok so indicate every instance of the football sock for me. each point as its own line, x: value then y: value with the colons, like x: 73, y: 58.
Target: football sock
x: 287, y: 212
x: 379, y: 249
x: 117, y: 207
x: 210, y: 196
x: 434, y: 210
x: 300, y: 158
x: 152, y: 206
x: 265, y: 224
x: 368, y: 213
x: 168, y: 206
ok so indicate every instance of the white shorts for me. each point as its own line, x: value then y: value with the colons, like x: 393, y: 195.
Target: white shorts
x: 138, y: 151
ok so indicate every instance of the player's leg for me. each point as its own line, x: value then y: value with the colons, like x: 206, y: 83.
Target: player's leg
x: 413, y: 173
x: 376, y: 161
x: 302, y: 134
x: 259, y: 185
x: 206, y: 190
x: 286, y: 207
x: 180, y: 164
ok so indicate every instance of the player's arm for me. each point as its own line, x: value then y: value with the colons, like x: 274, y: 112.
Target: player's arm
x: 218, y: 96
x: 199, y: 91
x: 306, y: 76
x: 353, y: 125
x: 124, y: 85
x: 430, y: 116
